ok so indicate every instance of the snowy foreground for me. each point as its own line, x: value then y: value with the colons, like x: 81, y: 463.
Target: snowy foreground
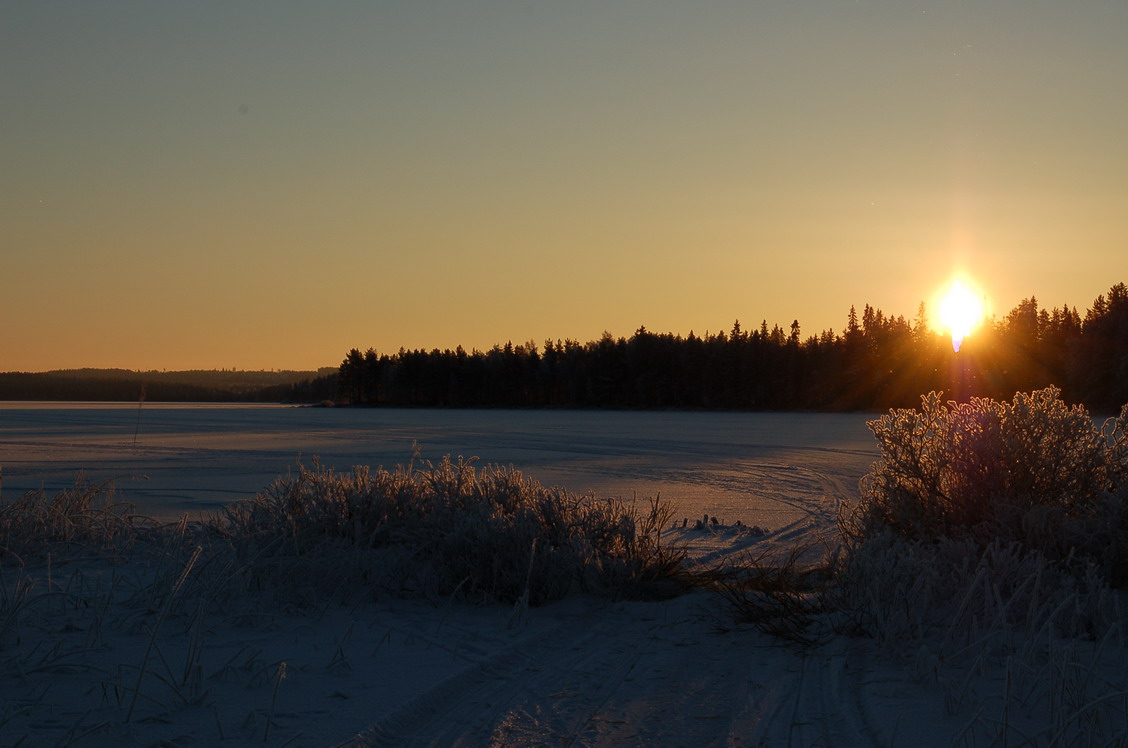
x: 581, y: 672
x: 403, y: 673
x: 86, y: 660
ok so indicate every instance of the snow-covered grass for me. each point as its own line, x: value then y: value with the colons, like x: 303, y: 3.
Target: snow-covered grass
x: 986, y: 548
x: 1025, y: 651
x: 81, y: 571
x: 449, y: 529
x: 83, y: 518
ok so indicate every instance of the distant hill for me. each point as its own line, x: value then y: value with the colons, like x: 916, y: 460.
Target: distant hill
x: 125, y: 385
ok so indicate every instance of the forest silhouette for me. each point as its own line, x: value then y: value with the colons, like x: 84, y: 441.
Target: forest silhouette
x: 877, y: 362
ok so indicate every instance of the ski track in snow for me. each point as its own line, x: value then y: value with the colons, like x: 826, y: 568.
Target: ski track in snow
x: 644, y: 674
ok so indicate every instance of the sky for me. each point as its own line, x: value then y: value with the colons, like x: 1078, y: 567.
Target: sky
x: 268, y: 184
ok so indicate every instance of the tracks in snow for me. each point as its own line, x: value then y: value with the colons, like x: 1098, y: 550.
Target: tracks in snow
x: 637, y: 674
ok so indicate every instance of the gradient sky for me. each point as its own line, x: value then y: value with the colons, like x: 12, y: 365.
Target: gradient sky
x: 268, y: 184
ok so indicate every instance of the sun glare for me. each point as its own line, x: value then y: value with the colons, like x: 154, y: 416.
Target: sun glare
x: 960, y: 313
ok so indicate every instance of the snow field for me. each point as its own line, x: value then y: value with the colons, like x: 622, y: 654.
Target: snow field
x: 132, y: 638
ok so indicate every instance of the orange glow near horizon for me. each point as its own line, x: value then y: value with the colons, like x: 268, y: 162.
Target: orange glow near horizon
x: 960, y: 312
x: 434, y: 175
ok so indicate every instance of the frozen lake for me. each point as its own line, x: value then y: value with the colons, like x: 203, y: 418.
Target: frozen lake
x: 771, y: 469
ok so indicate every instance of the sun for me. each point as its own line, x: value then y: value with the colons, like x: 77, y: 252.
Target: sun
x: 960, y: 313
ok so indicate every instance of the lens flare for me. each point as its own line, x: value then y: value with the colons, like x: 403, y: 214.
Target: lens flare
x: 960, y: 312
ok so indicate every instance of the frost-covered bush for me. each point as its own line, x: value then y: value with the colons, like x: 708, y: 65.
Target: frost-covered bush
x: 984, y: 550
x: 451, y: 529
x: 1033, y: 471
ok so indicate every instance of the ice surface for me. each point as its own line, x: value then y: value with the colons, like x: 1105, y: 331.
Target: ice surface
x: 760, y: 468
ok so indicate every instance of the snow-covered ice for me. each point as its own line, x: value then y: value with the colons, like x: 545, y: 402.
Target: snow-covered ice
x: 760, y: 468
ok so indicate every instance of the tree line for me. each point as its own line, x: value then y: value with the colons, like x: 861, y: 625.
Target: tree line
x: 123, y: 385
x: 878, y: 361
